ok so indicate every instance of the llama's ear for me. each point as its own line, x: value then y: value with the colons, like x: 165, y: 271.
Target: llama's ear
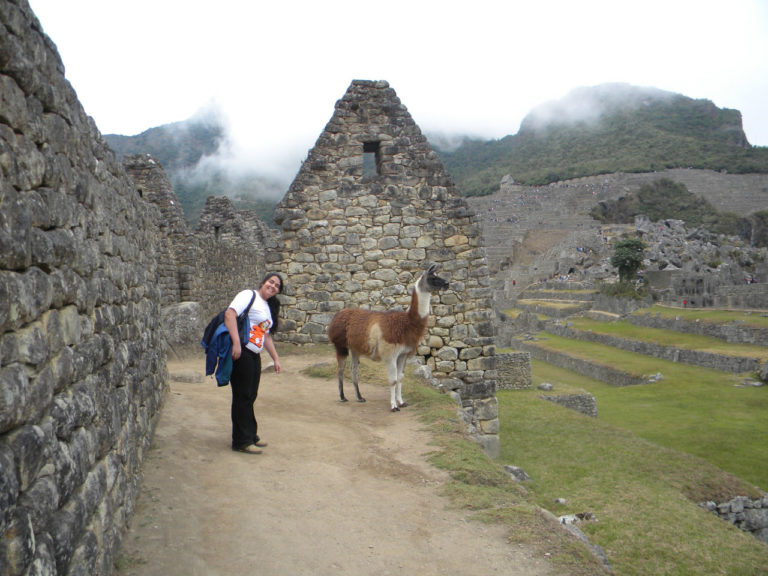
x: 432, y: 268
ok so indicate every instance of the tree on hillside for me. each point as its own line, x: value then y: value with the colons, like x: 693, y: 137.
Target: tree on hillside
x: 628, y: 257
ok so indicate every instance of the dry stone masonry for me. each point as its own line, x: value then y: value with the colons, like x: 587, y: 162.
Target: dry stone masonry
x: 199, y: 271
x: 748, y: 514
x: 82, y: 369
x: 370, y: 206
x: 101, y: 278
x: 514, y: 369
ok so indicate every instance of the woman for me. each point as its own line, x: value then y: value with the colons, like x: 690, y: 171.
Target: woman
x: 246, y: 367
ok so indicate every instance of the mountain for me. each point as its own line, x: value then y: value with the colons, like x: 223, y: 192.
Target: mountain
x: 177, y: 146
x: 596, y: 130
x: 606, y: 129
x: 188, y: 152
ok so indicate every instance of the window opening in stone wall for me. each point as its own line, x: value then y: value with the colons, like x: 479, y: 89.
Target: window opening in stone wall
x: 217, y: 232
x: 371, y: 159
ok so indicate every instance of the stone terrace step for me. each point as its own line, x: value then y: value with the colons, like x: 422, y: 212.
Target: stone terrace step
x: 722, y: 362
x: 583, y: 295
x: 606, y: 374
x: 554, y: 308
x: 734, y: 332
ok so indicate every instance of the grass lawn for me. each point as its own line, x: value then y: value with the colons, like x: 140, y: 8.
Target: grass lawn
x: 624, y: 329
x: 757, y: 318
x: 643, y: 496
x: 703, y: 412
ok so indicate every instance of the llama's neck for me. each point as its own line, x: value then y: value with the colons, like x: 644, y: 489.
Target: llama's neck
x: 420, y: 302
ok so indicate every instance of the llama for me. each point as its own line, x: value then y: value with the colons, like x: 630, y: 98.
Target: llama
x: 390, y: 337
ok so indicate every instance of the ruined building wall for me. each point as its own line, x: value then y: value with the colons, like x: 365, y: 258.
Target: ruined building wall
x: 233, y: 248
x: 226, y: 253
x: 82, y: 373
x: 370, y: 206
x: 153, y: 185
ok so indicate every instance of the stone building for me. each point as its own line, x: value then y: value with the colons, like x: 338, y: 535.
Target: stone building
x: 371, y: 205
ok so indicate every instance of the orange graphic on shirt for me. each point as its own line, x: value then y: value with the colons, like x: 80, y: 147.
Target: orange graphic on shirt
x: 257, y: 334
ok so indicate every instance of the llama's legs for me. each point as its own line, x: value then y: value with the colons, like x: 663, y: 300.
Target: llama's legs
x: 354, y: 368
x: 394, y: 390
x: 341, y: 361
x: 400, y: 373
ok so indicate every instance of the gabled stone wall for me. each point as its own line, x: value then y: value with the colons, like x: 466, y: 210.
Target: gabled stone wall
x: 370, y: 206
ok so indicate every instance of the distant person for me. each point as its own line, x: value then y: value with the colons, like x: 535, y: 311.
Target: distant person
x: 263, y: 318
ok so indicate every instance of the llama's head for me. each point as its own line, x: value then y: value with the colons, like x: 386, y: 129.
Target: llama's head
x: 430, y: 281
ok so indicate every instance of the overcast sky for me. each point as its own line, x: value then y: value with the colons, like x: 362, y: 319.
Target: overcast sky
x: 276, y: 67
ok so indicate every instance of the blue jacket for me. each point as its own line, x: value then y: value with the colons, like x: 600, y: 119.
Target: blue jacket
x: 218, y: 355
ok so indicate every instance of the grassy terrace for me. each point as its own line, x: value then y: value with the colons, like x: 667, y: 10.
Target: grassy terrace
x: 559, y: 303
x: 625, y: 329
x: 756, y: 318
x: 703, y: 412
x: 642, y: 493
x: 575, y: 292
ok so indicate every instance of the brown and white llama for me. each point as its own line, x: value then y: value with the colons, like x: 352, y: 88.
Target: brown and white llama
x: 390, y: 337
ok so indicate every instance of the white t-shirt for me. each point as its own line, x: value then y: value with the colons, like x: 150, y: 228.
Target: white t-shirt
x: 259, y: 318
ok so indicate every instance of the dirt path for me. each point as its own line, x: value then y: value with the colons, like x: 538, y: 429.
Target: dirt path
x: 342, y: 489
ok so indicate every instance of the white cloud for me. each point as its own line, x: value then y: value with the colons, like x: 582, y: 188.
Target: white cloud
x: 277, y: 68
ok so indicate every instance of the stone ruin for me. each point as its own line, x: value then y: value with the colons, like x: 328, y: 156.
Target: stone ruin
x: 702, y: 268
x: 82, y: 366
x: 199, y: 270
x: 96, y: 261
x: 371, y: 205
x: 540, y: 234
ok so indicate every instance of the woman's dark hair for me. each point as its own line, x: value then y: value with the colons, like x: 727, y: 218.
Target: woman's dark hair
x: 273, y: 302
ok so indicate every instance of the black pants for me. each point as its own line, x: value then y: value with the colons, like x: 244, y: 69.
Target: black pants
x: 246, y: 374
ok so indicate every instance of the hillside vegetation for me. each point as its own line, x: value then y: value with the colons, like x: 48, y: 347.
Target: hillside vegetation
x: 599, y: 130
x: 184, y: 149
x: 607, y: 129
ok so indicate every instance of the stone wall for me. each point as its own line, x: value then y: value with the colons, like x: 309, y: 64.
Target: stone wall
x: 514, y: 369
x: 748, y: 514
x: 736, y: 332
x: 745, y: 296
x: 584, y: 403
x: 82, y: 369
x: 232, y: 251
x: 585, y: 367
x: 707, y: 290
x: 371, y: 205
x: 734, y: 364
x: 226, y: 253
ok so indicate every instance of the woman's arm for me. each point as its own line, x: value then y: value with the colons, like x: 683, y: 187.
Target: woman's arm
x: 230, y: 321
x: 270, y: 347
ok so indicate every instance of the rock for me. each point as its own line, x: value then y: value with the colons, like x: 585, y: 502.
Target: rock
x: 517, y: 474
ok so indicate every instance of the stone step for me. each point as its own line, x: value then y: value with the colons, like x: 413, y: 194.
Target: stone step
x: 554, y: 308
x: 607, y: 374
x: 734, y: 332
x: 722, y: 362
x: 560, y: 295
